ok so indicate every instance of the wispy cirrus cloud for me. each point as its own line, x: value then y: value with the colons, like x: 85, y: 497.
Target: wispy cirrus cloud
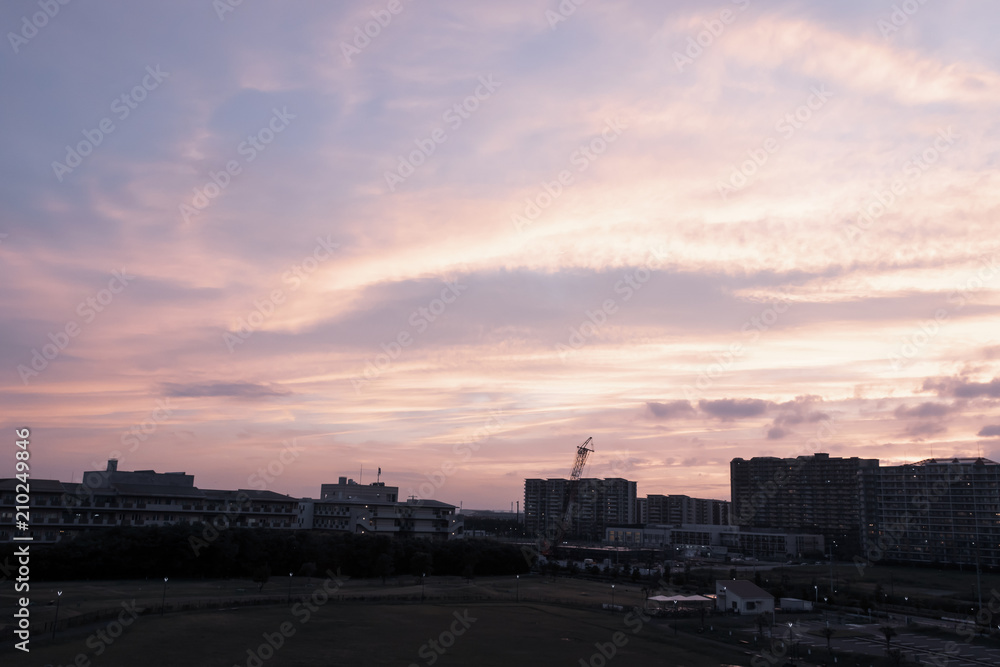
x: 248, y: 390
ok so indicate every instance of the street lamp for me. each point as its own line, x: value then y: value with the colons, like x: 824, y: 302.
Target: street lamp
x: 517, y: 588
x: 816, y: 589
x: 289, y: 588
x: 163, y: 600
x: 58, y: 595
x: 612, y: 597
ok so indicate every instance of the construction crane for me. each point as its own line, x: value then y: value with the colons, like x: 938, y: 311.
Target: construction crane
x: 569, y: 498
x: 569, y: 504
x: 581, y: 460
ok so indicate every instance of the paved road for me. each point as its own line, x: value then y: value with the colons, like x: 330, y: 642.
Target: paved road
x: 870, y: 641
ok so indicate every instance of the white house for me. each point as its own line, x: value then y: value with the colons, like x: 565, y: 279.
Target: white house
x: 742, y: 597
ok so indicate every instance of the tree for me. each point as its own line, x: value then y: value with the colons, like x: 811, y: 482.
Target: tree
x: 261, y: 575
x: 889, y: 633
x: 421, y: 564
x: 307, y: 570
x: 383, y: 566
x: 761, y: 622
x: 469, y: 572
x: 828, y: 632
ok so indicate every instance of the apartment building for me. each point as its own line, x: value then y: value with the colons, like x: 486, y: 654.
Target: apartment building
x: 815, y: 494
x: 112, y: 497
x: 679, y: 509
x: 933, y: 511
x: 599, y: 503
x: 412, y: 518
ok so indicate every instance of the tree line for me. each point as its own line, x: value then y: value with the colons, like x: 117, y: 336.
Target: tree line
x: 182, y: 550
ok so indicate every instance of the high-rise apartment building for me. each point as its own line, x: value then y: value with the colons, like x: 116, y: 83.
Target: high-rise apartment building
x: 599, y: 503
x: 934, y: 511
x: 675, y: 510
x: 811, y: 494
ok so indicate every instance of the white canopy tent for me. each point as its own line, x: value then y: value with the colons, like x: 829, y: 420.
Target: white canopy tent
x: 676, y: 601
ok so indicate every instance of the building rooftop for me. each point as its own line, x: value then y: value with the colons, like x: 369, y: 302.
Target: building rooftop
x: 963, y: 460
x: 743, y: 588
x: 37, y: 485
x: 154, y: 490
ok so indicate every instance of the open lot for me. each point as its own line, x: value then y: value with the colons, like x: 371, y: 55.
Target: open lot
x: 531, y: 620
x: 388, y: 634
x: 81, y: 597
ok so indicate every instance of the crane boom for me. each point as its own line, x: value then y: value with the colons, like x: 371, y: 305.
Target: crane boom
x: 565, y: 521
x: 572, y: 488
x: 581, y: 459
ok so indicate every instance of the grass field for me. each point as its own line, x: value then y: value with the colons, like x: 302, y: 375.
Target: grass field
x: 80, y: 597
x: 528, y: 620
x: 388, y: 634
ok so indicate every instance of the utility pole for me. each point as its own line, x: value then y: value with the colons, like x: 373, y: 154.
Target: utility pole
x: 979, y: 583
x: 831, y: 570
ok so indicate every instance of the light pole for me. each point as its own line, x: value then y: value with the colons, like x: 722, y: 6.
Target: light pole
x: 289, y: 588
x: 612, y: 597
x: 58, y: 595
x: 424, y: 574
x: 816, y: 589
x: 163, y: 600
x: 517, y: 588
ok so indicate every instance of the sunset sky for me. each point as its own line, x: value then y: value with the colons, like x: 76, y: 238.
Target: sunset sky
x: 458, y: 245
